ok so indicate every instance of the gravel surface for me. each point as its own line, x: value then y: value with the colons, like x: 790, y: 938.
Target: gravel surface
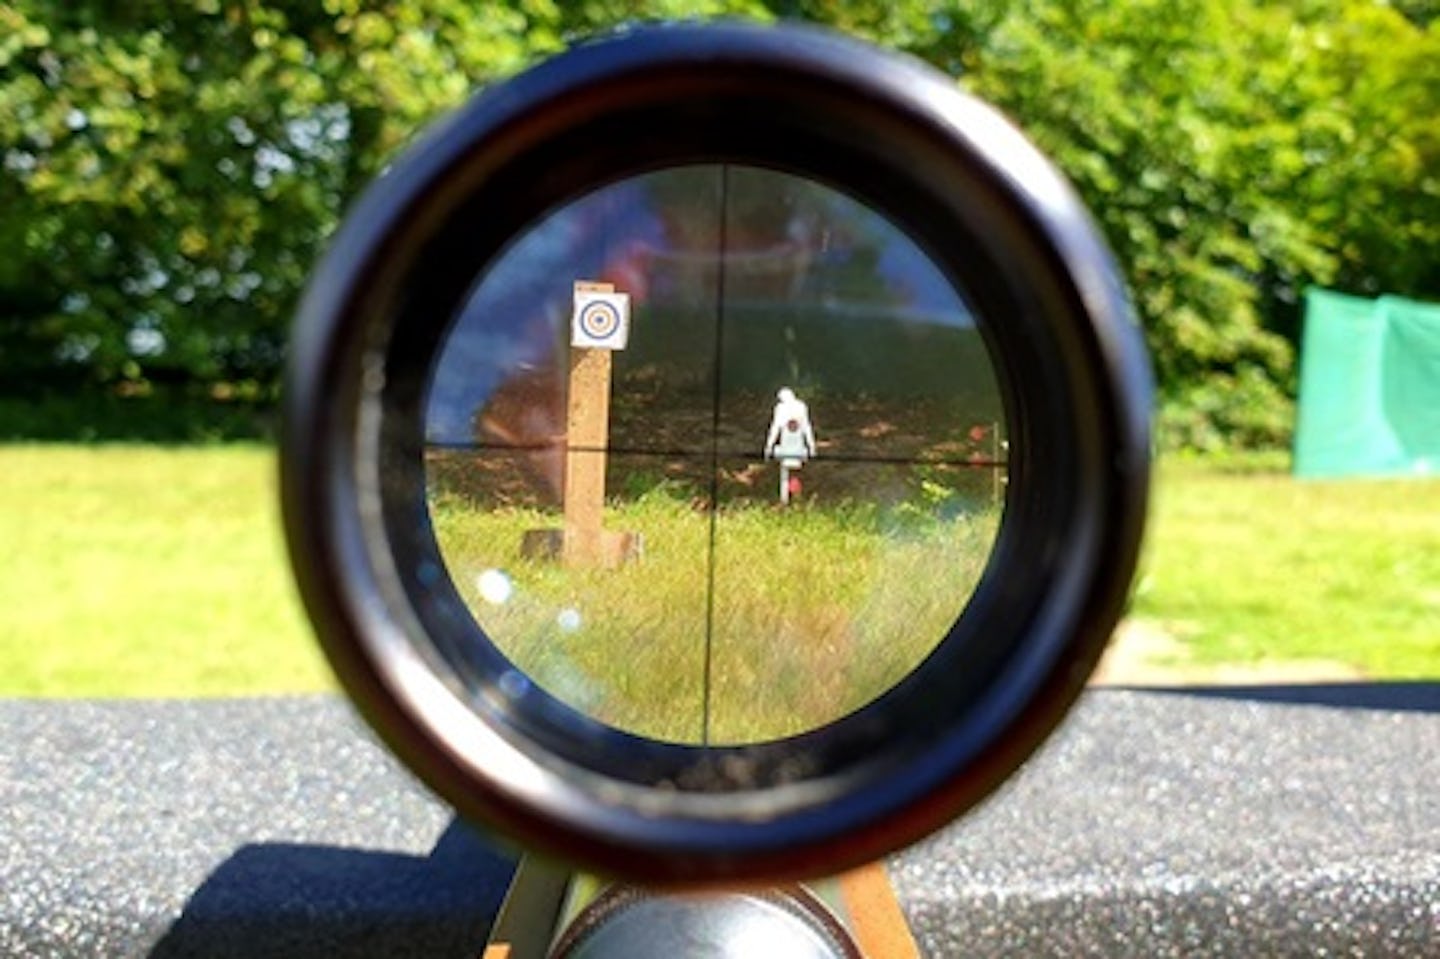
x: 1165, y: 824
x: 258, y: 827
x: 1298, y: 821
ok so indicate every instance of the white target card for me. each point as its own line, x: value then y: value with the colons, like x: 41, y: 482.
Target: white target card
x: 601, y: 320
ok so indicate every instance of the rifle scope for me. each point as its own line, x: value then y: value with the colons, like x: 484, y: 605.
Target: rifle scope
x: 569, y: 550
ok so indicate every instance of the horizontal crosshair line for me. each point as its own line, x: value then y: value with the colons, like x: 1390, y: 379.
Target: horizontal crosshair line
x: 702, y: 454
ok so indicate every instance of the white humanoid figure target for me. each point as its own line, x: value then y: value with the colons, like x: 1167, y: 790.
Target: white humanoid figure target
x: 791, y: 440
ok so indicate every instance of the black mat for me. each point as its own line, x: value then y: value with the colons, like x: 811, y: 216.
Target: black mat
x: 1157, y: 823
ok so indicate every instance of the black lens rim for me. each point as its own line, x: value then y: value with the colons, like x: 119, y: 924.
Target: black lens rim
x: 946, y: 170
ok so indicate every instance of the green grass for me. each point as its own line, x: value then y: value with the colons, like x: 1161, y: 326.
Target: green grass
x: 146, y: 571
x: 816, y: 610
x: 1246, y: 564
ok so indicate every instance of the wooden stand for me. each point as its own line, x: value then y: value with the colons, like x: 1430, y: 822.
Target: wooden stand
x: 584, y: 541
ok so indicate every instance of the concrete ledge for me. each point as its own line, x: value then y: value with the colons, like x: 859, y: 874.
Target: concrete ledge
x: 1286, y: 821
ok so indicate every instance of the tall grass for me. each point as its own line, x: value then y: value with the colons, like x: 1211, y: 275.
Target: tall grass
x: 753, y: 623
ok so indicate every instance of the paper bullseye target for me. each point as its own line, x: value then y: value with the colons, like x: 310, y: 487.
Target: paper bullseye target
x: 601, y: 320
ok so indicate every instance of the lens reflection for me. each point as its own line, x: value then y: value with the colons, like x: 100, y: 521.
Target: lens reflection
x: 766, y: 509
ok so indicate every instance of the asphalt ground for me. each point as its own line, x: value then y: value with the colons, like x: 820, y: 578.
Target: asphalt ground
x: 1282, y: 820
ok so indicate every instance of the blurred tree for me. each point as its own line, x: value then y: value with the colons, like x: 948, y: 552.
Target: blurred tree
x: 169, y: 171
x: 1233, y: 152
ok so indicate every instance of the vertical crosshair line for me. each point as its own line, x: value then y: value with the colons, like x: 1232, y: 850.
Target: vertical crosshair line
x: 721, y: 240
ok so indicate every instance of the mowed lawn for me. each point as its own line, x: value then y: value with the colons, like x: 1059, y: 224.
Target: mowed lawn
x: 1246, y: 565
x: 147, y: 571
x: 159, y: 571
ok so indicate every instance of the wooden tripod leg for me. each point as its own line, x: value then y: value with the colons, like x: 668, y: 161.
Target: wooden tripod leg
x: 876, y: 922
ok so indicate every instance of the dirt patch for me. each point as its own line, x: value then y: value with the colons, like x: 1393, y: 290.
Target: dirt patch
x: 1144, y: 653
x: 882, y: 451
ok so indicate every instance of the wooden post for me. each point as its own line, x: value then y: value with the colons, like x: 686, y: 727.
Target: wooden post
x: 584, y: 541
x: 587, y: 434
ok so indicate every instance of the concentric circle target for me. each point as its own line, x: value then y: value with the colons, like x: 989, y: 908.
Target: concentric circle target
x: 600, y: 319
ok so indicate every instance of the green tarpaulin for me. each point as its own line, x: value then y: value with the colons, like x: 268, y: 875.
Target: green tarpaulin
x: 1369, y: 387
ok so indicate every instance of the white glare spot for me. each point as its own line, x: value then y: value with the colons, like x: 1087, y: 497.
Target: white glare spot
x: 514, y: 683
x: 568, y: 620
x: 494, y: 586
x: 145, y: 342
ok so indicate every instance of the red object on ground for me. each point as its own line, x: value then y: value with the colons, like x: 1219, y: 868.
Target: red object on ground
x: 794, y: 485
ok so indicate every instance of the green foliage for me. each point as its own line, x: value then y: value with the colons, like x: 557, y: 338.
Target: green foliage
x: 165, y: 414
x: 1244, y: 409
x: 1234, y: 153
x: 172, y: 170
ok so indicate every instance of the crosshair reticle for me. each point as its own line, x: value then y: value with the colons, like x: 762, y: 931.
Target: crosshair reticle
x: 710, y: 613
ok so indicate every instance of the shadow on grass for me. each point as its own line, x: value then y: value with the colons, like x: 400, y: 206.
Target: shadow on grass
x: 1419, y: 696
x: 282, y: 900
